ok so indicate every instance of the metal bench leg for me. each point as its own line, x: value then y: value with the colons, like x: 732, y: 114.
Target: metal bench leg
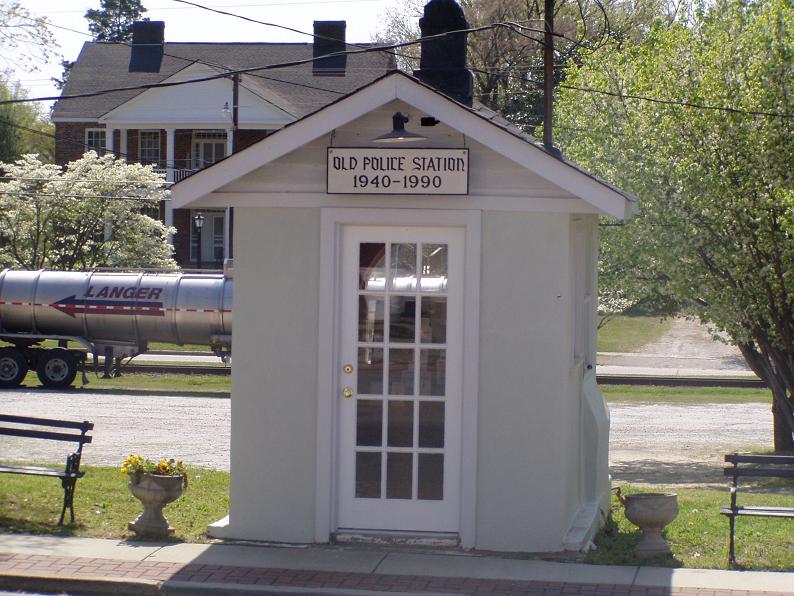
x: 731, y: 553
x: 68, y: 499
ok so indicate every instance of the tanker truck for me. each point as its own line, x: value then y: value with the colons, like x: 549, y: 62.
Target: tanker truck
x: 110, y: 314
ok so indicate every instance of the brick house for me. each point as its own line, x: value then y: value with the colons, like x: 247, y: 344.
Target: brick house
x: 184, y: 128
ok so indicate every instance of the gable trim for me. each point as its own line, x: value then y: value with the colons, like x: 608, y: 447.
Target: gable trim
x: 402, y: 87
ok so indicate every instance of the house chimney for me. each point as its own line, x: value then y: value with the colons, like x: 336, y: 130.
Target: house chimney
x: 148, y: 38
x: 329, y: 37
x: 443, y: 60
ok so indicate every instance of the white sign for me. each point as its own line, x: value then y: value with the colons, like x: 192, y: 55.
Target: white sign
x: 398, y: 171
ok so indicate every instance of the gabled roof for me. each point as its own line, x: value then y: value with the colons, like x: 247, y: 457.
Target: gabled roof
x: 477, y: 123
x: 103, y: 65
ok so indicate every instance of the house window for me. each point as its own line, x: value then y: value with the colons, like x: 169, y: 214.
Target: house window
x: 208, y: 147
x: 95, y: 139
x: 149, y: 147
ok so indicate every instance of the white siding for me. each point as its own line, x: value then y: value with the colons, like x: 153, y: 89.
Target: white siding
x: 274, y: 378
x: 528, y: 452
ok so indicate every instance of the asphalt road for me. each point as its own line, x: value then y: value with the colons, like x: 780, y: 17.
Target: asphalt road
x: 649, y: 443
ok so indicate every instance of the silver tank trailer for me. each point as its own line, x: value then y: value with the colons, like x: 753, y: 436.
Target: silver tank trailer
x: 118, y: 311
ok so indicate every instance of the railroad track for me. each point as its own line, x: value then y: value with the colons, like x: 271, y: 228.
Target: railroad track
x: 602, y: 379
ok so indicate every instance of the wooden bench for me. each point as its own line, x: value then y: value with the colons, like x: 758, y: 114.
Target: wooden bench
x: 755, y: 466
x: 43, y: 428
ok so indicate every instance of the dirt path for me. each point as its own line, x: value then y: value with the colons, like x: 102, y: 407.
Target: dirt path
x: 689, y: 339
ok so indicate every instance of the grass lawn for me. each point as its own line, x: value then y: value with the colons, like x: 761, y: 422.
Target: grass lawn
x: 629, y: 334
x: 104, y: 505
x: 699, y: 535
x: 684, y: 395
x: 150, y: 383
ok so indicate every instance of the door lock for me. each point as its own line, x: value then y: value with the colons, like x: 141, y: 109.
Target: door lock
x: 347, y: 392
x: 348, y: 368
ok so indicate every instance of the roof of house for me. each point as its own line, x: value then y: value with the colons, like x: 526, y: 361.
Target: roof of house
x: 103, y: 66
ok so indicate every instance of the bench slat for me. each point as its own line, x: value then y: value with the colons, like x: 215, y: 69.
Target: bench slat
x: 740, y: 458
x: 786, y: 512
x: 43, y: 434
x: 762, y: 472
x: 33, y: 471
x: 46, y: 422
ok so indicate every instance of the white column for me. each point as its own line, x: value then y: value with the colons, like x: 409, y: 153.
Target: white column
x: 170, y: 164
x: 229, y: 141
x: 109, y: 132
x: 123, y: 148
x: 227, y: 232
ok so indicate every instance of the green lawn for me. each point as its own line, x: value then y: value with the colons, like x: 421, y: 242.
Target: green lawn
x: 629, y: 334
x: 104, y: 505
x: 221, y: 385
x: 150, y: 383
x: 684, y: 395
x: 699, y: 535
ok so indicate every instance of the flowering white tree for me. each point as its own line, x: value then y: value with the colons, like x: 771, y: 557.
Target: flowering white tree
x: 94, y: 212
x: 711, y: 159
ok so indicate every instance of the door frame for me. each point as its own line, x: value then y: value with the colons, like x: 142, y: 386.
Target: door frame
x: 333, y: 221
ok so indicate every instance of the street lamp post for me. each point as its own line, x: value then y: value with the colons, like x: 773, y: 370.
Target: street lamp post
x: 198, y: 223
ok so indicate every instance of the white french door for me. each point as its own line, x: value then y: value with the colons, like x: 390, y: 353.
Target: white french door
x: 400, y: 371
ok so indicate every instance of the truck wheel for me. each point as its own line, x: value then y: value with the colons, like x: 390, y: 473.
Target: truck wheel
x: 13, y: 367
x: 57, y: 368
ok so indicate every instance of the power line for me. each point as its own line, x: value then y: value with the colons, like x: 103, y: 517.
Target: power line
x: 620, y: 95
x: 256, y: 5
x: 78, y: 197
x: 378, y: 48
x: 42, y: 179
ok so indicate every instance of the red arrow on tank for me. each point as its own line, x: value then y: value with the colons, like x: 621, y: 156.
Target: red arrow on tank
x: 76, y: 306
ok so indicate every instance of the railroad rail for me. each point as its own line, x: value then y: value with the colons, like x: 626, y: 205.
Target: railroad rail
x: 664, y: 381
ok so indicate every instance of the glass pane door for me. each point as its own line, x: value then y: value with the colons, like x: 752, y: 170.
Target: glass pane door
x: 402, y: 451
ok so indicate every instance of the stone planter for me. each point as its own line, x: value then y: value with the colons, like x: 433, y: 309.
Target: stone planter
x: 651, y: 512
x: 155, y: 492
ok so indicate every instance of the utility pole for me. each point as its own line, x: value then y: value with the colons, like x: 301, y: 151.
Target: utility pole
x: 548, y: 78
x: 235, y: 109
x: 235, y: 126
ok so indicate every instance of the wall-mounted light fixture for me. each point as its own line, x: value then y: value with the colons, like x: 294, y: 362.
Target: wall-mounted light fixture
x: 398, y: 134
x: 226, y: 110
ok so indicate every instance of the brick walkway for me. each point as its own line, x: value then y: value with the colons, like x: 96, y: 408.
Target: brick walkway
x: 32, y: 566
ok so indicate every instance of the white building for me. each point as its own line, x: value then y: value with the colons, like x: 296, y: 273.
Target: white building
x: 407, y: 361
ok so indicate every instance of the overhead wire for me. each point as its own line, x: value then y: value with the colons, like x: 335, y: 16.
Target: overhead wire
x: 273, y: 66
x: 621, y: 95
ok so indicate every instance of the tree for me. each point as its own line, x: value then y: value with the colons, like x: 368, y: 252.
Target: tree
x: 113, y: 20
x: 90, y: 213
x: 712, y: 164
x: 24, y: 39
x: 507, y: 62
x: 23, y: 127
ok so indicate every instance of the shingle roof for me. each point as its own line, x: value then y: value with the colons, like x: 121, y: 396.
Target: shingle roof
x: 106, y: 65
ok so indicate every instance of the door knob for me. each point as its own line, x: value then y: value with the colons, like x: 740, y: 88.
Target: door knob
x: 347, y: 392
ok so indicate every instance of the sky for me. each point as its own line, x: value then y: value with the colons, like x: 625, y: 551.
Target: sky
x: 188, y: 23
